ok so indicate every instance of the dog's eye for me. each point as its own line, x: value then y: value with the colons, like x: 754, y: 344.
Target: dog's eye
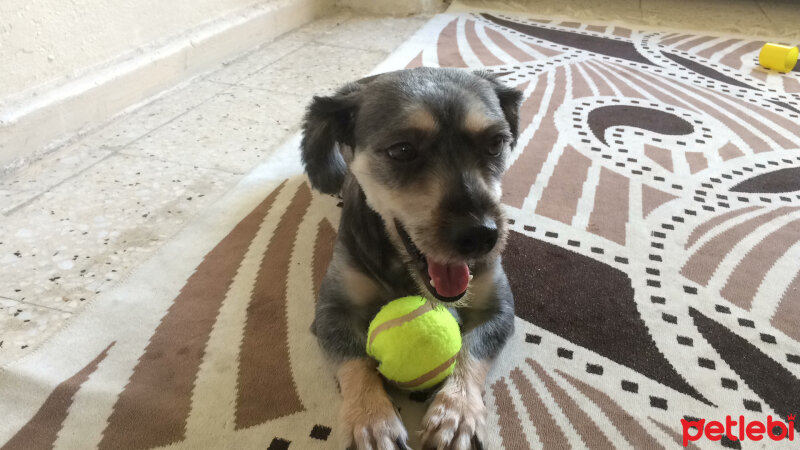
x: 402, y: 152
x: 497, y: 144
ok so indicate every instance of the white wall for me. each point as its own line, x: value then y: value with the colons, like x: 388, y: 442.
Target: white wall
x: 69, y: 66
x: 45, y: 41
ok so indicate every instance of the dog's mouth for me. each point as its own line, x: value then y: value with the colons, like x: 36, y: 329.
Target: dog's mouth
x: 447, y: 282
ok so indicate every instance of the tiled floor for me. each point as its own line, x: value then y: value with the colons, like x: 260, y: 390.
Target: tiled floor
x: 76, y: 222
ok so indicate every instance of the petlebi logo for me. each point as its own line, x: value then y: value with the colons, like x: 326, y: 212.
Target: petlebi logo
x: 737, y: 429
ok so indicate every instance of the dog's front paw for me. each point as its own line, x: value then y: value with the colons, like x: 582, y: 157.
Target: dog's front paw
x: 370, y: 422
x: 454, y: 421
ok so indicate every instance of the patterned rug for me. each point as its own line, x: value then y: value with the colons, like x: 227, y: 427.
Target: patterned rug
x: 654, y: 200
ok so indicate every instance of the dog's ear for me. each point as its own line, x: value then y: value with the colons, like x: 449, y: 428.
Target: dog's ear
x: 510, y: 100
x: 329, y: 123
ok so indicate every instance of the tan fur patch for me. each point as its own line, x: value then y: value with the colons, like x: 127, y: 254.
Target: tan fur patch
x: 367, y: 414
x: 476, y: 120
x: 478, y: 117
x: 361, y: 289
x: 422, y: 119
x: 458, y: 411
x: 472, y: 371
x: 359, y: 378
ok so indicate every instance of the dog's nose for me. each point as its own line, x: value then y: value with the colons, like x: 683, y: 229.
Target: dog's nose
x: 473, y: 238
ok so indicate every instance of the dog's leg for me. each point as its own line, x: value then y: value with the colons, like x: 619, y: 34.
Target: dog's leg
x: 456, y: 419
x: 367, y: 419
x: 347, y: 300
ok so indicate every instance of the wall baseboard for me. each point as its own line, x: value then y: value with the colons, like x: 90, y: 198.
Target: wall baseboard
x: 395, y: 7
x: 32, y: 125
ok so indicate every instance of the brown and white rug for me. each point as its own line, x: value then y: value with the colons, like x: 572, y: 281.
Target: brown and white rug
x: 655, y: 259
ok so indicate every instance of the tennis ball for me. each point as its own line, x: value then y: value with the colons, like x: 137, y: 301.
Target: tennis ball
x: 415, y: 344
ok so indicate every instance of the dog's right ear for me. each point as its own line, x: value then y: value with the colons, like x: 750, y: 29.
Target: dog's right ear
x: 328, y: 124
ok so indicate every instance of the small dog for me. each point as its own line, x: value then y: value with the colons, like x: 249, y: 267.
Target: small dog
x: 417, y: 156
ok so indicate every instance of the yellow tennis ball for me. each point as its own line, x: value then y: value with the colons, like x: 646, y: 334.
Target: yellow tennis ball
x: 415, y: 344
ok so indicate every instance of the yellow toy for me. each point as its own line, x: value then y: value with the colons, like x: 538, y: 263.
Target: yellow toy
x: 778, y: 57
x: 415, y: 344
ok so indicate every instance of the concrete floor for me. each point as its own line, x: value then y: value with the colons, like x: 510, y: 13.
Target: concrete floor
x: 76, y: 222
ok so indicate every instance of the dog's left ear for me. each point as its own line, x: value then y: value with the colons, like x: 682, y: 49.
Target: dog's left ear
x: 328, y: 124
x: 510, y: 100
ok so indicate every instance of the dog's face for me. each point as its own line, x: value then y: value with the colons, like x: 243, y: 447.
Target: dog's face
x: 428, y: 147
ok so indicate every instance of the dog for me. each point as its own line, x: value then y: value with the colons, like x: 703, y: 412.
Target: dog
x: 417, y: 157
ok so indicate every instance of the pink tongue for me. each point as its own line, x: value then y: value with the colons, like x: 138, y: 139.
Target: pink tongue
x: 450, y: 280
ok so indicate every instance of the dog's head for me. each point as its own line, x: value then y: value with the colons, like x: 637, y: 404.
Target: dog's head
x: 428, y: 147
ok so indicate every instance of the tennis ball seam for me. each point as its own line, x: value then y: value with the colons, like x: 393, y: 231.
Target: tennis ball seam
x: 395, y: 322
x: 416, y: 344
